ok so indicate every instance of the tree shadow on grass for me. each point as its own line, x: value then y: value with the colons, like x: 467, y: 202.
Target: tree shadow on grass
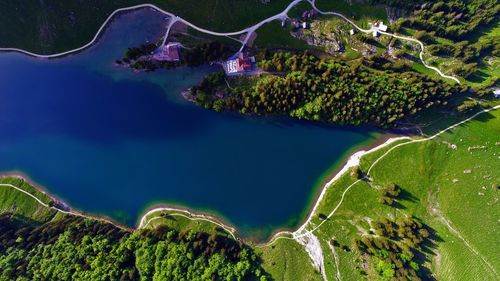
x: 478, y: 76
x: 404, y: 195
x: 427, y: 248
x: 398, y: 205
x: 452, y: 118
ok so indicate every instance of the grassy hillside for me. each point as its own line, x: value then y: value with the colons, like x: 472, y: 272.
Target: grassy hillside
x: 288, y: 261
x: 16, y: 202
x: 449, y: 183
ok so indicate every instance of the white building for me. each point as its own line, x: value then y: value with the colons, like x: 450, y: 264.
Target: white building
x: 375, y: 33
x: 240, y: 64
x: 232, y: 66
x: 496, y: 93
x: 352, y: 32
x: 382, y: 27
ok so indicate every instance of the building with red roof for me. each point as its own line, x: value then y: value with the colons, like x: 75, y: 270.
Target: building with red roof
x: 168, y: 52
x: 240, y: 64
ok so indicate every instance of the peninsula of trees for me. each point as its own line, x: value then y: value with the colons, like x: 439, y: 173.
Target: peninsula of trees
x: 140, y: 58
x: 304, y: 86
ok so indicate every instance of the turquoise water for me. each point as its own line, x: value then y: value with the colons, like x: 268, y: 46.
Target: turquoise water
x: 110, y: 141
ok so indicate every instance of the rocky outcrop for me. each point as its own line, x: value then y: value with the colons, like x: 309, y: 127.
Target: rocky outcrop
x: 314, y: 36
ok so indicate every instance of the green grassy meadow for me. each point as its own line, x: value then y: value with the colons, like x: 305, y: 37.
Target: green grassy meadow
x: 288, y: 261
x: 361, y: 13
x: 15, y: 202
x: 454, y: 191
x: 272, y: 35
x: 180, y: 222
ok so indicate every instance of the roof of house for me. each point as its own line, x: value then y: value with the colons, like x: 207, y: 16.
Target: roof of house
x: 169, y: 52
x: 239, y: 64
x: 382, y: 26
x: 496, y: 92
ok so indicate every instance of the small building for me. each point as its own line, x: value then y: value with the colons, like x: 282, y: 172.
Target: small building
x: 241, y: 64
x: 352, y: 32
x: 283, y: 23
x: 382, y: 27
x: 375, y: 33
x: 168, y: 52
x: 496, y: 93
x: 305, y: 25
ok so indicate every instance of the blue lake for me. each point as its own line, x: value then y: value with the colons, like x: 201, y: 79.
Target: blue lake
x: 110, y: 141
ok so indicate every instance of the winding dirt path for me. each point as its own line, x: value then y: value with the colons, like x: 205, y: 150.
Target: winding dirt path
x: 422, y: 47
x: 380, y: 158
x: 145, y: 221
x: 66, y: 212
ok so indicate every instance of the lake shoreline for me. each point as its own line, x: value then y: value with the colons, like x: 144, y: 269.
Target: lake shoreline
x: 389, y: 139
x: 332, y: 162
x: 330, y: 176
x: 366, y: 146
x: 85, y: 156
x: 42, y: 189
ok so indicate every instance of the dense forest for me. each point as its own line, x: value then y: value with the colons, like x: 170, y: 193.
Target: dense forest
x: 455, y: 19
x: 75, y: 248
x: 205, y: 53
x: 460, y: 22
x: 404, y: 4
x: 395, y: 248
x: 459, y: 29
x: 451, y: 18
x: 305, y: 87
